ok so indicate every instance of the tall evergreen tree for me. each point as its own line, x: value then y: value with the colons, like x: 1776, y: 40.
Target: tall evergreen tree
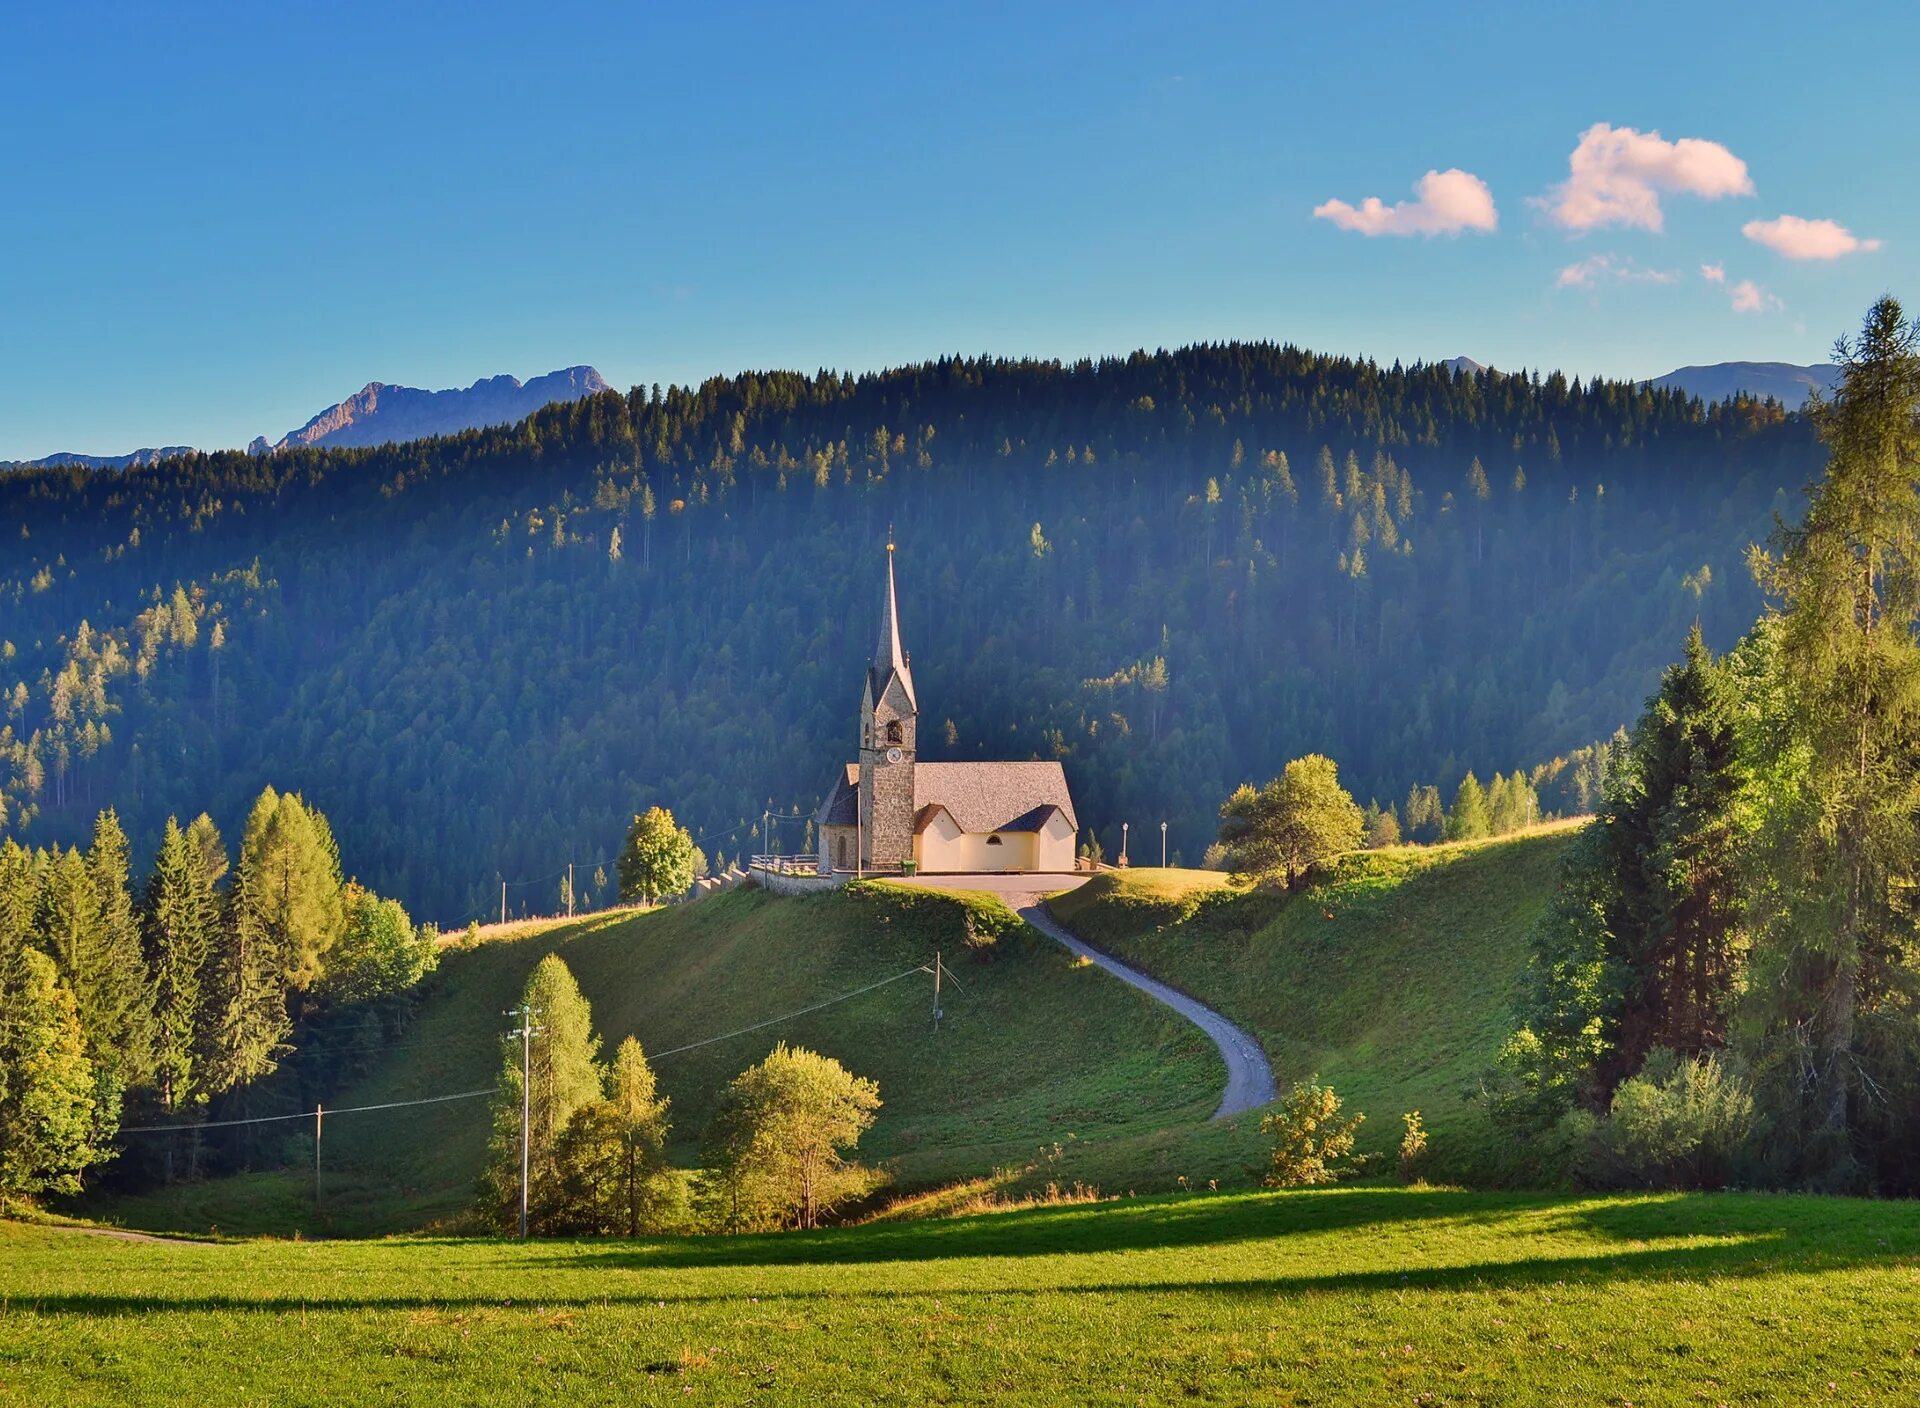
x: 1834, y: 950
x: 1469, y: 819
x: 177, y: 925
x: 116, y: 1003
x: 49, y: 1133
x: 289, y: 872
x: 560, y: 1063
x: 1639, y: 949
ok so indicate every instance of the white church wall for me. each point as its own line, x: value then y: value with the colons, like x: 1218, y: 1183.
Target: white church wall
x: 1053, y: 845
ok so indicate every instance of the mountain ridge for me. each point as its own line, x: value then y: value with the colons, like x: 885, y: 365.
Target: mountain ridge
x: 380, y: 413
x: 383, y: 413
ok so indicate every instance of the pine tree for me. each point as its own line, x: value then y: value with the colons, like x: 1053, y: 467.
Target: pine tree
x: 1839, y: 939
x: 1637, y: 952
x: 49, y: 1133
x: 289, y: 871
x: 176, y: 923
x: 245, y: 1018
x: 560, y: 1061
x: 116, y: 993
x: 1468, y: 819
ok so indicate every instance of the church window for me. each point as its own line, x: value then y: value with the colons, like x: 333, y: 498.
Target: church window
x: 993, y: 840
x: 893, y: 732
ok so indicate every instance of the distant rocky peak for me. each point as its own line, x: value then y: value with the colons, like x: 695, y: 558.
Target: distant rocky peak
x: 382, y: 412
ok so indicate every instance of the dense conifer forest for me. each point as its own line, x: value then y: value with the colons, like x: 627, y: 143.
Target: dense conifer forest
x: 481, y: 655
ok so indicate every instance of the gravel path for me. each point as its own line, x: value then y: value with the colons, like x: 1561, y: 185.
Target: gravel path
x: 1249, y: 1076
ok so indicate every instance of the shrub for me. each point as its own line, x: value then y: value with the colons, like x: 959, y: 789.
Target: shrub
x: 1678, y: 1124
x: 1310, y: 1137
x: 1413, y: 1147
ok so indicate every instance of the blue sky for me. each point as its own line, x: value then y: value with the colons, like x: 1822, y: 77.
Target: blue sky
x: 220, y: 218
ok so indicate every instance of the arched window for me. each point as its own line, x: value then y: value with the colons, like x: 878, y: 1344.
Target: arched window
x: 993, y: 840
x: 893, y: 731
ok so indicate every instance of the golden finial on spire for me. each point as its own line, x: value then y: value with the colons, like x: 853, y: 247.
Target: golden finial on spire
x: 889, y: 537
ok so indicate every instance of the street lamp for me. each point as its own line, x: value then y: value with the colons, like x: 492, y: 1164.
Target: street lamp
x: 1163, y: 845
x: 1123, y: 842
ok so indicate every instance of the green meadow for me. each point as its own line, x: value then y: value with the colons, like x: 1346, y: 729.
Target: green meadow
x: 1354, y: 1295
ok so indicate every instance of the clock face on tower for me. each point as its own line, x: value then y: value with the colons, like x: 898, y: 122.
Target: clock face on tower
x: 894, y: 755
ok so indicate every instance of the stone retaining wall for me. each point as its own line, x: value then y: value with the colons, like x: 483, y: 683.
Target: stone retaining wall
x: 796, y: 884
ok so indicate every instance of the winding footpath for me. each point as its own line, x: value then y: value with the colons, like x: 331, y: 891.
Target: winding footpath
x: 1249, y: 1076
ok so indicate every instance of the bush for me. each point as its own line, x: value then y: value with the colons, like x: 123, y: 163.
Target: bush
x: 1413, y: 1147
x: 1678, y: 1124
x: 1310, y: 1137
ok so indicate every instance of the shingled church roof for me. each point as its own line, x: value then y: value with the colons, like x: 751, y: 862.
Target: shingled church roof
x: 980, y: 797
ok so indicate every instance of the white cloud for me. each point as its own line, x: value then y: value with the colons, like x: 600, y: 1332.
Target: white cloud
x: 1795, y: 238
x: 1617, y: 176
x: 1447, y: 203
x: 1611, y: 269
x: 1714, y: 273
x: 1749, y: 297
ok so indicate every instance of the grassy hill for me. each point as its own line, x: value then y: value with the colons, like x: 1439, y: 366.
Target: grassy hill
x: 1332, y: 1297
x: 1394, y: 979
x: 1034, y: 1048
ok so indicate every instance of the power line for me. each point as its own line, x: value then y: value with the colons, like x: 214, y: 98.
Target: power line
x: 787, y: 1016
x: 307, y: 1114
x: 494, y: 1090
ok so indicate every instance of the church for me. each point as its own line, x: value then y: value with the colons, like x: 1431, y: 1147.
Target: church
x: 892, y: 813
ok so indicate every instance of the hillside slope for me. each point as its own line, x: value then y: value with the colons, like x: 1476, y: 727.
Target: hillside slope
x: 1394, y: 979
x: 1034, y: 1049
x: 481, y: 655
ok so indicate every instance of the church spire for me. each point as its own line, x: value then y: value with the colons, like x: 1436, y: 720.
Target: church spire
x: 888, y: 657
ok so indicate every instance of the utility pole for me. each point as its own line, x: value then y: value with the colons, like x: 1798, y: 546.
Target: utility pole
x: 1163, y: 845
x: 317, y: 1113
x: 503, y: 901
x: 526, y: 1035
x: 936, y: 990
x: 570, y: 888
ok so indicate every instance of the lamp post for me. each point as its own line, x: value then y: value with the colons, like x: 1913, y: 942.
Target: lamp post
x: 1163, y: 845
x: 1123, y: 842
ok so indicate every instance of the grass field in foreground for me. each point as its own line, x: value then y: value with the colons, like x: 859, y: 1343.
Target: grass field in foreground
x: 1034, y: 1049
x: 1395, y: 978
x: 1357, y: 1295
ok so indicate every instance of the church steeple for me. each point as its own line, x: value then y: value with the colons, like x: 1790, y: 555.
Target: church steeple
x: 888, y: 658
x: 889, y: 729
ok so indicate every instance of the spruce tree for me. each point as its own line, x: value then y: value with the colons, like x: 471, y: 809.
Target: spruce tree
x: 1468, y: 820
x: 245, y: 991
x: 1638, y: 950
x: 176, y: 923
x: 1838, y: 941
x: 109, y: 976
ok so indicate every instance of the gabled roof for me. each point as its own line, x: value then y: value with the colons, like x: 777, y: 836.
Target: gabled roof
x: 980, y: 797
x: 983, y: 797
x: 842, y: 806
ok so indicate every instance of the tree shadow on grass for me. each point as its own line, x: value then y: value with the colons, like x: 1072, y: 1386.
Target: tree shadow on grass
x: 1719, y: 1261
x: 1731, y: 1236
x: 1174, y: 1222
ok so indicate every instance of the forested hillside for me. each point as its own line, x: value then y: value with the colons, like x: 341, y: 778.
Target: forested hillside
x: 480, y: 655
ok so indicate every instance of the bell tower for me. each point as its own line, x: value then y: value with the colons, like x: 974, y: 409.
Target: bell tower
x: 889, y: 727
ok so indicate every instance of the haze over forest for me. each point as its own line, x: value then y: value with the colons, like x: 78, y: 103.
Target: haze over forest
x: 480, y: 655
